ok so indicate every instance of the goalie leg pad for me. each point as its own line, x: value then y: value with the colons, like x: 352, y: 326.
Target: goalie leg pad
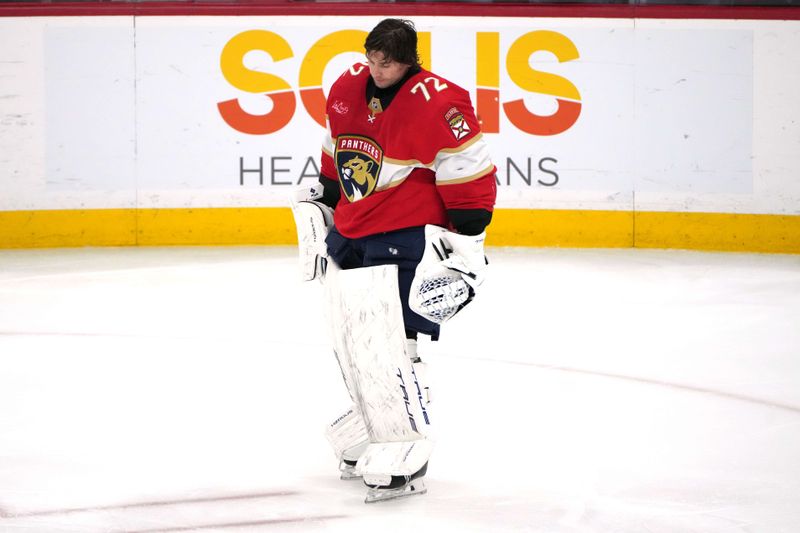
x: 370, y: 339
x: 382, y: 461
x: 347, y: 436
x: 420, y: 370
x: 371, y: 332
x: 332, y: 300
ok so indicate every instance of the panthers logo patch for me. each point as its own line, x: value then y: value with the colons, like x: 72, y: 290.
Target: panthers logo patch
x: 358, y: 162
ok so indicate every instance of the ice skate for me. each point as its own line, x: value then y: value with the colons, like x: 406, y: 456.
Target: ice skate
x: 398, y: 487
x: 347, y: 470
x: 382, y: 494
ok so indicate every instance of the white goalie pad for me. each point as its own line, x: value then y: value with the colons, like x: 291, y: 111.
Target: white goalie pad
x: 347, y: 435
x: 332, y: 311
x: 369, y: 339
x: 453, y: 266
x: 312, y: 220
x: 382, y: 460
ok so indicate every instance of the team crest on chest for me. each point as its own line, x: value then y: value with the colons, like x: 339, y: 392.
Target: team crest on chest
x: 358, y: 162
x: 458, y: 125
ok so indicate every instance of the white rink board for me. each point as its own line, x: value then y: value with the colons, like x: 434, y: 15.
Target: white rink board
x: 675, y: 115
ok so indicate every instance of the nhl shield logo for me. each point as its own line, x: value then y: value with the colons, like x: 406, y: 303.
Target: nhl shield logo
x: 358, y: 162
x: 458, y: 125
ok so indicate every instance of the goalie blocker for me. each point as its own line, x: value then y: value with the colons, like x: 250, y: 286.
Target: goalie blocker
x: 312, y: 220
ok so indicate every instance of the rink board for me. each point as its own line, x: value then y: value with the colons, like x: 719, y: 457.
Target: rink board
x: 510, y: 227
x: 606, y: 130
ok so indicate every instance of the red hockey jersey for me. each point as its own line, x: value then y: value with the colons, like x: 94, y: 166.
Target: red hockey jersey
x: 404, y: 166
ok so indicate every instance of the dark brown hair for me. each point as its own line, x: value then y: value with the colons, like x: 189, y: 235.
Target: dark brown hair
x: 396, y: 39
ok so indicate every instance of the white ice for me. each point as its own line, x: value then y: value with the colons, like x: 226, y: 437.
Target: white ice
x: 611, y: 391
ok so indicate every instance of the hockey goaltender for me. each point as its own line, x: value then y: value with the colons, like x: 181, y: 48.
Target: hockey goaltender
x: 395, y: 231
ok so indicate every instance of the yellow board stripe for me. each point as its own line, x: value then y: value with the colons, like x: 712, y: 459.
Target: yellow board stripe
x: 129, y: 227
x: 564, y: 228
x: 250, y: 225
x: 510, y: 227
x: 719, y: 231
x: 35, y: 229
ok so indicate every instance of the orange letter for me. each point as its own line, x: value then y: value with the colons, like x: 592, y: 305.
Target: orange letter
x: 567, y: 95
x: 252, y: 81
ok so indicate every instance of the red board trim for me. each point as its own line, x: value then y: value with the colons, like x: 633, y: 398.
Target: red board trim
x: 289, y: 7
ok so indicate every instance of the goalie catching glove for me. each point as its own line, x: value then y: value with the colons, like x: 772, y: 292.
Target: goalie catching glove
x: 452, y: 268
x: 312, y: 219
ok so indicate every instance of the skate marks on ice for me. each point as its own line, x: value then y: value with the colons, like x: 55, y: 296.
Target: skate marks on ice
x: 580, y: 452
x: 643, y: 380
x: 143, y: 504
x: 170, y: 515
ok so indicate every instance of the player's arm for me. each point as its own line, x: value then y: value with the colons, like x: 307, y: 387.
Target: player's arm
x: 465, y: 174
x: 454, y: 265
x: 470, y: 221
x: 312, y: 207
x: 467, y: 184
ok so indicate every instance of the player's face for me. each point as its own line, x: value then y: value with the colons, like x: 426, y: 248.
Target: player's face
x: 385, y: 72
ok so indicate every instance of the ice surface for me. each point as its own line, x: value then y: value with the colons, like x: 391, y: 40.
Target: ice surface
x: 187, y: 389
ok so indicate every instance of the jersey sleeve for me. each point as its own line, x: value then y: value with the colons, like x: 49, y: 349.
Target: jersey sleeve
x: 465, y: 174
x: 327, y: 166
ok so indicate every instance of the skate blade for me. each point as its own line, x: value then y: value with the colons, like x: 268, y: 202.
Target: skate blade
x: 412, y: 488
x: 347, y: 475
x: 348, y: 471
